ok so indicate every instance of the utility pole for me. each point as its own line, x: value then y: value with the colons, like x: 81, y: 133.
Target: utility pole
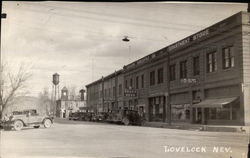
x: 3, y: 16
x: 168, y: 104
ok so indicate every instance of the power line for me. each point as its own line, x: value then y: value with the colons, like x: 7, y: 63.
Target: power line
x: 133, y: 22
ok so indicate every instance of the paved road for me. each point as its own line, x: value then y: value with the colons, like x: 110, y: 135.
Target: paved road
x: 85, y: 139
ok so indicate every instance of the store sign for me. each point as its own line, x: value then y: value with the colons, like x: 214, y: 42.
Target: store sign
x: 130, y: 93
x: 188, y: 80
x: 188, y: 40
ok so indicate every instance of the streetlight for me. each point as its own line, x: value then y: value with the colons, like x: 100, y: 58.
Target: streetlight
x: 125, y: 39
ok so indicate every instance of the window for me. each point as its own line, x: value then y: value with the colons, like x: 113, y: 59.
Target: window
x: 160, y: 75
x: 196, y: 65
x: 114, y: 91
x: 172, y: 72
x: 228, y: 57
x: 183, y: 69
x: 142, y: 81
x: 105, y: 93
x: 126, y: 83
x: 137, y: 82
x: 109, y: 92
x: 120, y: 89
x: 131, y: 83
x: 211, y: 62
x: 152, y: 78
x: 212, y: 113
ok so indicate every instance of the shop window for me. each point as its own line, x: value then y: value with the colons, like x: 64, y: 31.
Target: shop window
x: 234, y: 114
x: 152, y: 78
x: 211, y: 62
x: 160, y: 75
x: 136, y: 102
x: 212, y: 113
x: 187, y: 113
x: 181, y: 112
x: 142, y: 81
x: 196, y: 65
x: 172, y: 72
x: 130, y: 102
x: 228, y: 57
x: 183, y: 69
x: 223, y: 114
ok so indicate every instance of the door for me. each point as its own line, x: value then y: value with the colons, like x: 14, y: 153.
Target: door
x: 198, y: 117
x: 34, y: 117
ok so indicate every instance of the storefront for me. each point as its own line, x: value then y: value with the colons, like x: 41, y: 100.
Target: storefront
x: 180, y: 112
x: 156, y: 108
x: 217, y: 111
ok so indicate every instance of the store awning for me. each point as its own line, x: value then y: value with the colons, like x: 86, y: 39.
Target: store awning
x: 214, y: 103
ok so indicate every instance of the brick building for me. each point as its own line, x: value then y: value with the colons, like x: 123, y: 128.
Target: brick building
x: 203, y: 78
x: 106, y: 94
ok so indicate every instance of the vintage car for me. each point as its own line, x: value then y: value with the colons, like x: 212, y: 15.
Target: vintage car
x: 74, y: 116
x: 101, y: 116
x: 127, y: 117
x: 86, y: 116
x: 26, y: 118
x: 83, y: 116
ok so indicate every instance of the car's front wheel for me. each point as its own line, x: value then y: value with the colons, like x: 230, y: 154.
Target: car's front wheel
x: 126, y: 121
x: 18, y: 125
x: 47, y: 123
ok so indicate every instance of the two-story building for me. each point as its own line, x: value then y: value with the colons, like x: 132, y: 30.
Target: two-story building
x: 106, y: 94
x: 203, y: 78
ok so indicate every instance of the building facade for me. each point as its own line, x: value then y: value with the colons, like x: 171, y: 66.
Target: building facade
x: 65, y: 106
x: 203, y: 78
x: 106, y: 94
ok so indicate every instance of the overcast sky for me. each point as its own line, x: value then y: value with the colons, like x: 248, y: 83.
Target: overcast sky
x: 83, y: 41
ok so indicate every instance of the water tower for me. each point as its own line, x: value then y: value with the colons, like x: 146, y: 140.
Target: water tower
x: 55, y: 87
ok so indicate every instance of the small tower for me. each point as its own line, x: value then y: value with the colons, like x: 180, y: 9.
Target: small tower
x: 64, y: 93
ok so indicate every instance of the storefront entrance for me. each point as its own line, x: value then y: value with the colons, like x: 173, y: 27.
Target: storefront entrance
x: 156, y: 108
x: 217, y: 111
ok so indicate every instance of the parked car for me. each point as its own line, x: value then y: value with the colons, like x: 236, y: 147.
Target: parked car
x: 74, y: 116
x: 127, y: 117
x: 87, y: 116
x: 26, y: 118
x: 101, y: 116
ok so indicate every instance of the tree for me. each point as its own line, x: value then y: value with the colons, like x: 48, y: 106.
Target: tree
x: 45, y: 103
x: 12, y: 84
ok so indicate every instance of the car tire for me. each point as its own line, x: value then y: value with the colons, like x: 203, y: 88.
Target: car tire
x: 18, y: 125
x: 47, y: 123
x: 36, y: 126
x: 126, y: 121
x: 143, y: 123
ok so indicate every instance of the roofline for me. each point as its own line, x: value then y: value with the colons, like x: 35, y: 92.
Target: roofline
x: 106, y: 77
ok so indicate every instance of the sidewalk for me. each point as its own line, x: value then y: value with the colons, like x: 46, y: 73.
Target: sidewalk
x: 199, y: 127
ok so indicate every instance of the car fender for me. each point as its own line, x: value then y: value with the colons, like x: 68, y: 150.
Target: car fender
x: 13, y: 121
